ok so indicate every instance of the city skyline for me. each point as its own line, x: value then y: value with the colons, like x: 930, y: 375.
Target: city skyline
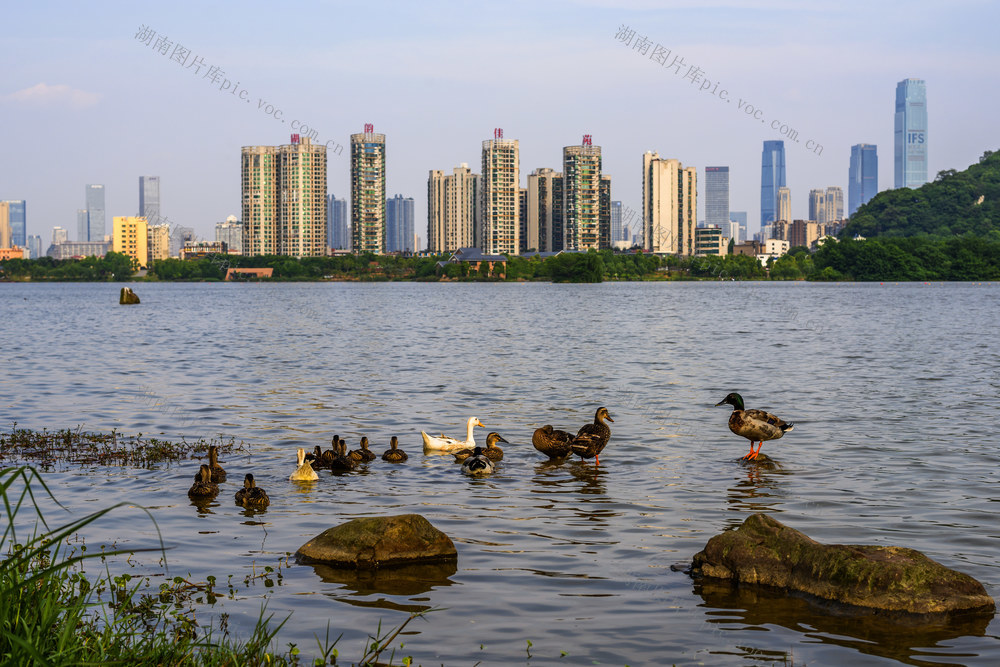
x: 81, y: 67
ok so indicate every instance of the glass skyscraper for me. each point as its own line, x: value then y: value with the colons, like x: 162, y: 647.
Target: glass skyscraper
x: 740, y: 217
x: 717, y: 196
x: 862, y: 179
x: 772, y: 177
x: 616, y: 221
x: 911, y: 134
x: 95, y: 214
x: 399, y: 224
x: 149, y: 198
x: 18, y: 222
x: 339, y: 227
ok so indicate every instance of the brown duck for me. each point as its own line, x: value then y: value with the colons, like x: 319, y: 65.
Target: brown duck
x: 204, y: 487
x: 754, y: 425
x: 552, y: 442
x: 492, y: 452
x: 394, y: 454
x: 591, y: 439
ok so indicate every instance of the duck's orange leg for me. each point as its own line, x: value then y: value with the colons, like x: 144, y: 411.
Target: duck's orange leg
x: 757, y: 452
x: 749, y: 455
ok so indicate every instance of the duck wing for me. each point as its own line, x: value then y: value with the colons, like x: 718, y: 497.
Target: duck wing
x: 761, y: 425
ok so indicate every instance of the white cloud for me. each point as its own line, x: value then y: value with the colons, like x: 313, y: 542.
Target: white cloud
x: 42, y: 94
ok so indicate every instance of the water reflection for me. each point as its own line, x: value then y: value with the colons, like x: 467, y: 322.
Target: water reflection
x: 905, y: 639
x: 758, y: 488
x: 403, y: 581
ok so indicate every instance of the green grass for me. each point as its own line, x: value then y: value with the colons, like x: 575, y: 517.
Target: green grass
x: 51, y: 613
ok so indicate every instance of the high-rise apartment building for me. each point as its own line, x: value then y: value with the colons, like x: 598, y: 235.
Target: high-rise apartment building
x: 284, y: 199
x: 834, y: 203
x: 669, y: 205
x: 149, y: 198
x: 34, y: 246
x: 82, y: 221
x: 911, y: 134
x: 604, y: 213
x: 772, y: 177
x: 741, y: 218
x: 6, y: 235
x: 817, y: 206
x: 522, y: 219
x: 368, y: 193
x: 338, y: 220
x: 581, y: 196
x: 130, y: 236
x: 545, y: 210
x: 96, y: 226
x: 717, y: 196
x: 862, y: 177
x: 59, y: 236
x: 229, y: 232
x: 784, y: 204
x: 15, y: 213
x: 616, y: 221
x: 399, y: 224
x: 454, y: 214
x: 501, y: 209
x: 158, y: 242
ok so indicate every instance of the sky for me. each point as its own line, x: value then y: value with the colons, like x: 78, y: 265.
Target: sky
x: 84, y: 100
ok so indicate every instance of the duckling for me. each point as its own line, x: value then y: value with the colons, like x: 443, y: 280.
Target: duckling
x: 552, y: 442
x: 363, y: 455
x: 341, y: 461
x: 304, y: 473
x: 754, y: 425
x: 492, y: 452
x: 593, y: 438
x: 204, y: 487
x: 394, y: 454
x: 478, y: 465
x: 251, y: 495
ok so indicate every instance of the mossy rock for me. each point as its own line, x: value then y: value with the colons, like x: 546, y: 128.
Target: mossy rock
x: 379, y: 542
x: 127, y: 297
x: 765, y: 551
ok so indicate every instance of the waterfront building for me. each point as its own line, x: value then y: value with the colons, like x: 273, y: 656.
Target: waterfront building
x: 368, y: 194
x: 710, y: 241
x: 545, y: 210
x: 862, y: 176
x: 772, y: 177
x: 59, y: 235
x: 616, y: 221
x: 581, y: 196
x: 817, y: 205
x: 910, y: 136
x: 833, y: 202
x: 501, y: 210
x: 399, y: 224
x: 604, y: 239
x: 158, y: 242
x: 95, y: 197
x: 34, y: 246
x: 784, y: 204
x: 283, y: 199
x: 669, y: 205
x: 149, y: 199
x: 81, y: 225
x: 454, y: 214
x: 522, y: 219
x: 130, y: 236
x: 229, y: 232
x: 13, y: 215
x: 717, y: 196
x: 78, y: 249
x: 338, y: 222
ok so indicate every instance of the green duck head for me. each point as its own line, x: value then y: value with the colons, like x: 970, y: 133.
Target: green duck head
x: 732, y: 399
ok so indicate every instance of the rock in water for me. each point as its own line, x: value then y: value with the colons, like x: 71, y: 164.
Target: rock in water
x: 377, y: 542
x: 127, y: 297
x: 765, y: 551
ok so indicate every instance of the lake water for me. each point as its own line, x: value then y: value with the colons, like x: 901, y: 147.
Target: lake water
x: 892, y: 388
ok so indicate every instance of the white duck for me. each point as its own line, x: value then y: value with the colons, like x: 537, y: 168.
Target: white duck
x: 446, y: 444
x: 305, y: 472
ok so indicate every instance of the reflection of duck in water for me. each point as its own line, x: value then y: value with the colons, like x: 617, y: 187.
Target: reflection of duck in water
x: 363, y: 455
x: 204, y: 487
x: 478, y: 465
x: 304, y: 473
x: 552, y: 442
x: 492, y: 452
x: 394, y: 454
x: 591, y: 440
x: 251, y: 495
x: 754, y: 425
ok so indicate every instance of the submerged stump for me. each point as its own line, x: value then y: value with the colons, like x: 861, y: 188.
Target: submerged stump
x: 373, y: 542
x: 765, y: 551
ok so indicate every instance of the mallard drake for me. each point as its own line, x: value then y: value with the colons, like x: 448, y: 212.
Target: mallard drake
x: 341, y: 461
x: 251, y: 495
x: 305, y: 472
x: 204, y: 487
x: 591, y: 439
x: 754, y: 425
x: 363, y: 455
x: 492, y: 452
x: 553, y: 443
x: 478, y: 465
x: 446, y: 444
x: 394, y: 454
